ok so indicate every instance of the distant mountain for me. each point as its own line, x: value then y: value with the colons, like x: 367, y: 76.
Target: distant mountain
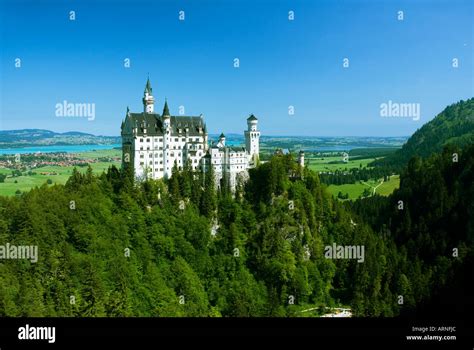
x: 453, y: 126
x: 35, y: 137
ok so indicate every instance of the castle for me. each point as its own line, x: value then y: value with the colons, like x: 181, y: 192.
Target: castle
x: 153, y: 144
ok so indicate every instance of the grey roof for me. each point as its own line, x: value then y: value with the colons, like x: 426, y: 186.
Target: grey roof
x: 252, y: 117
x: 154, y: 124
x: 183, y: 122
x: 237, y: 149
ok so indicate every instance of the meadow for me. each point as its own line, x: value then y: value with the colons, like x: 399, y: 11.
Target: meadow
x: 335, y: 162
x: 27, y: 182
x: 356, y: 190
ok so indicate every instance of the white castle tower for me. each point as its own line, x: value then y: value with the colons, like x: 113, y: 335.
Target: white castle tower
x: 301, y: 159
x: 252, y: 139
x: 148, y: 99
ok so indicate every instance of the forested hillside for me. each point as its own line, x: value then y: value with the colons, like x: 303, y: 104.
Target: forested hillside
x: 430, y: 219
x: 112, y: 247
x: 453, y: 126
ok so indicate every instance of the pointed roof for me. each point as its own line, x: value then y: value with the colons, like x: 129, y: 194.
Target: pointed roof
x: 252, y: 117
x: 166, y: 110
x: 222, y: 136
x: 148, y: 86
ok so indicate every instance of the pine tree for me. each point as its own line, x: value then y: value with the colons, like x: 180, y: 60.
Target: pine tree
x: 209, y: 199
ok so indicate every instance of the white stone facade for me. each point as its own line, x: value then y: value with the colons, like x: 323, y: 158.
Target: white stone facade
x: 154, y: 143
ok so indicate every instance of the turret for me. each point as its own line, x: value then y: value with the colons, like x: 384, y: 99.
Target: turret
x: 148, y: 99
x: 301, y: 158
x: 252, y: 122
x: 221, y: 142
x: 166, y: 115
x: 252, y: 139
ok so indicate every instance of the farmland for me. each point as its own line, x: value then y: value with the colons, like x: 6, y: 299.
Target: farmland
x: 57, y: 174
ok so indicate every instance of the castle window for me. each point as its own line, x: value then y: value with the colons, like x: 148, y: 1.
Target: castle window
x: 161, y: 162
x: 141, y: 155
x: 147, y: 140
x: 141, y: 140
x: 176, y: 139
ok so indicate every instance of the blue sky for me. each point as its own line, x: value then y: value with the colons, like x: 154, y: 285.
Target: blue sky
x: 282, y: 63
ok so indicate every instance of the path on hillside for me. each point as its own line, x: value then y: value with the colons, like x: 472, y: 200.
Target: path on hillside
x: 374, y: 188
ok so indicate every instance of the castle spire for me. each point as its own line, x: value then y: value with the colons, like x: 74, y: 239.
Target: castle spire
x: 148, y: 100
x: 148, y: 86
x: 166, y: 111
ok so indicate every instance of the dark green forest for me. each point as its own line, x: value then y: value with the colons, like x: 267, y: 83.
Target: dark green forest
x: 109, y: 246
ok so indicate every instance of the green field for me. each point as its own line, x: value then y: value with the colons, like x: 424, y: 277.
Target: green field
x: 100, y: 154
x: 356, y: 190
x: 323, y: 163
x: 388, y: 187
x: 27, y: 182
